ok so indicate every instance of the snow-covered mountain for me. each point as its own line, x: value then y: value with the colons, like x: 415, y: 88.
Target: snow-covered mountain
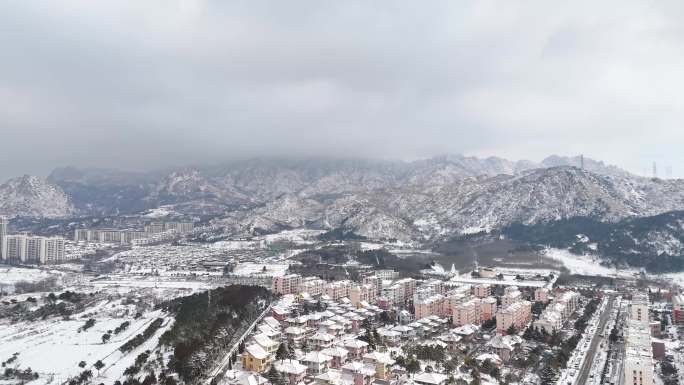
x: 472, y: 204
x: 423, y: 199
x: 29, y: 196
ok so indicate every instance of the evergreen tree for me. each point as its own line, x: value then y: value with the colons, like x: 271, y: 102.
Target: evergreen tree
x: 511, y: 330
x: 281, y: 353
x: 273, y: 376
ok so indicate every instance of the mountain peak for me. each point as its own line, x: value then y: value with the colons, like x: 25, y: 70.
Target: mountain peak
x: 30, y: 196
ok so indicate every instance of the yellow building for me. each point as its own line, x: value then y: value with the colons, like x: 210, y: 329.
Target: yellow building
x: 255, y: 359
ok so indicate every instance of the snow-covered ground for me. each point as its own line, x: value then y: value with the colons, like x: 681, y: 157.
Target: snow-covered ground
x: 584, y: 264
x: 10, y: 275
x: 54, y: 347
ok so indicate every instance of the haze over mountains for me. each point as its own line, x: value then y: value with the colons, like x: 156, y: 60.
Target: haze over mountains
x: 424, y: 199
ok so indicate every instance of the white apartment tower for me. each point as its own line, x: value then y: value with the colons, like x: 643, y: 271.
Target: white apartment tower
x: 3, y: 236
x: 638, y: 362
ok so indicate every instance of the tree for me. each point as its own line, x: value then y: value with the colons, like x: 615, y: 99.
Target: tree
x: 412, y: 366
x: 511, y: 330
x: 99, y: 365
x: 106, y: 337
x: 82, y: 364
x: 290, y: 352
x: 273, y: 376
x: 281, y: 353
x: 548, y: 376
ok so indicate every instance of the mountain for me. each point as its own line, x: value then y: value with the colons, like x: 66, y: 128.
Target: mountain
x: 29, y: 196
x: 588, y: 164
x: 654, y: 242
x: 469, y: 204
x: 424, y: 199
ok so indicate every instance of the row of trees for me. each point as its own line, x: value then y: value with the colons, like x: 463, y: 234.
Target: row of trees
x: 142, y: 337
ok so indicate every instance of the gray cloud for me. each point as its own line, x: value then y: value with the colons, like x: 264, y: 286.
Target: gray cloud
x: 141, y: 85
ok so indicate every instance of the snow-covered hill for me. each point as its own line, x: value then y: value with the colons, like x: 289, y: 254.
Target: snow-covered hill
x: 29, y: 196
x: 423, y: 199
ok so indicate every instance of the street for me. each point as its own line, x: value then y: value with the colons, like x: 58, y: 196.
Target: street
x: 586, y: 368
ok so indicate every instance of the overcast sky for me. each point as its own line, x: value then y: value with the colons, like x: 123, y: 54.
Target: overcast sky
x: 147, y: 84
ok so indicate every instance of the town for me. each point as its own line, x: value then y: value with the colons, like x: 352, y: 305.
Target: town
x: 435, y: 326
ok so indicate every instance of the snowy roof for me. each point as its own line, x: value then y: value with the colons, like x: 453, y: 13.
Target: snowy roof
x: 317, y: 357
x: 269, y: 331
x: 402, y: 328
x: 335, y: 377
x: 272, y: 322
x: 376, y: 356
x: 355, y: 344
x: 322, y: 336
x: 251, y: 379
x: 290, y: 367
x: 430, y: 378
x: 466, y: 330
x: 359, y: 367
x: 256, y: 351
x: 489, y: 356
x: 336, y: 351
x: 264, y: 340
x: 294, y: 330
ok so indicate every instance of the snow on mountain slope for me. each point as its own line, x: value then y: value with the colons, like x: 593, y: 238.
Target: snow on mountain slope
x: 29, y: 196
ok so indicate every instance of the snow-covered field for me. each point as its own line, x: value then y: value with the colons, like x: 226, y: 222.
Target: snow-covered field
x: 584, y: 264
x: 10, y: 275
x: 54, y: 347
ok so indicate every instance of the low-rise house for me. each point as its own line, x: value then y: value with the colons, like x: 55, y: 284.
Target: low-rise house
x: 268, y: 344
x: 406, y: 332
x: 271, y: 333
x: 504, y: 346
x: 295, y: 336
x: 405, y: 317
x: 356, y: 348
x: 432, y: 378
x: 334, y: 377
x: 316, y: 362
x: 255, y: 358
x: 382, y: 362
x: 362, y: 373
x: 321, y: 340
x: 339, y: 356
x: 389, y: 337
x: 291, y: 370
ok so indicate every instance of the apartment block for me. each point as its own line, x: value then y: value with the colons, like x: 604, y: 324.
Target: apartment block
x: 287, y: 284
x: 517, y: 314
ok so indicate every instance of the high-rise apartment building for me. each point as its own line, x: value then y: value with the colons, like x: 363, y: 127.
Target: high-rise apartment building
x: 32, y: 249
x: 3, y: 236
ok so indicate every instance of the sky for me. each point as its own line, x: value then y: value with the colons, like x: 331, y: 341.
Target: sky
x: 141, y: 85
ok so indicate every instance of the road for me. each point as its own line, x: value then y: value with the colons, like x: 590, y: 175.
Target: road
x: 585, y: 370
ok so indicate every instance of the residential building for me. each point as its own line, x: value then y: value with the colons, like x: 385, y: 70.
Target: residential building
x: 517, y: 314
x: 638, y: 362
x: 316, y: 362
x: 541, y: 295
x: 287, y: 284
x: 292, y: 370
x: 482, y: 291
x: 255, y: 358
x: 3, y: 235
x: 34, y: 249
x: 468, y: 312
